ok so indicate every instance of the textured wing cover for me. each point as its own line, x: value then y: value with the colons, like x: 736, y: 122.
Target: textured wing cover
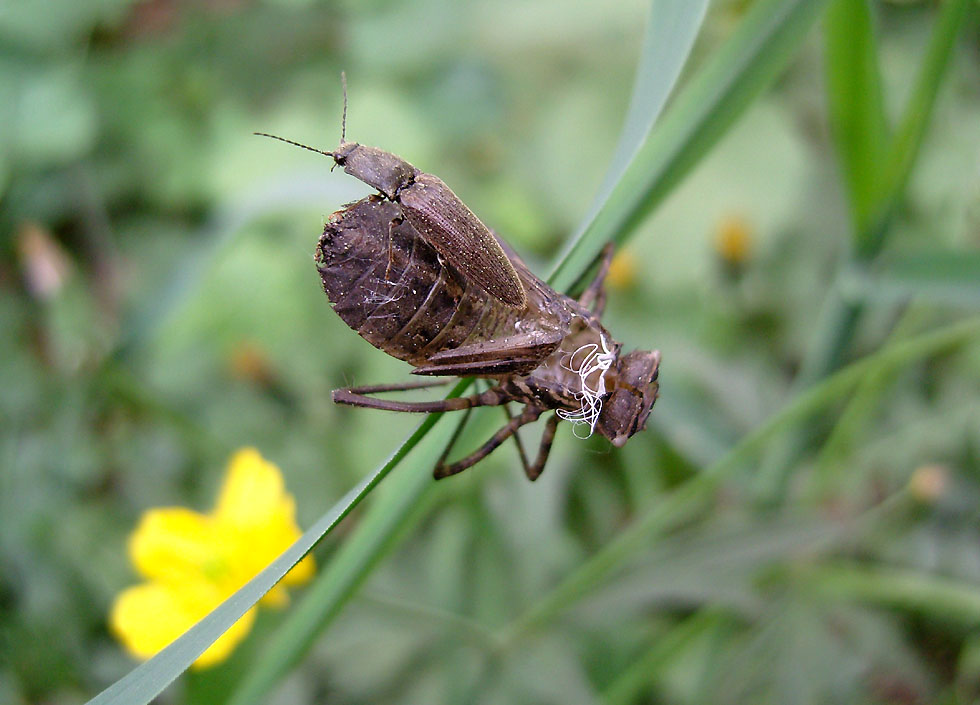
x: 458, y: 235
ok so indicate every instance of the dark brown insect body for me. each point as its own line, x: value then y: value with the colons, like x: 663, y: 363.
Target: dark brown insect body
x: 417, y: 275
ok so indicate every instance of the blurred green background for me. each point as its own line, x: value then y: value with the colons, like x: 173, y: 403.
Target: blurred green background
x: 160, y: 309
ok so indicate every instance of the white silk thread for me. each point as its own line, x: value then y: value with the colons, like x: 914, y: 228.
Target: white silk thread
x: 592, y: 361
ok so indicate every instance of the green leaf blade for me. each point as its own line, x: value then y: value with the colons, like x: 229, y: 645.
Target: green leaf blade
x: 150, y: 678
x: 387, y: 517
x: 855, y: 104
x: 758, y: 50
x: 917, y: 115
x: 942, y: 276
x: 672, y: 27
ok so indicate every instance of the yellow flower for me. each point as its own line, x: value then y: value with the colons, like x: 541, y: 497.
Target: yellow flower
x: 622, y: 270
x: 733, y: 239
x: 193, y: 562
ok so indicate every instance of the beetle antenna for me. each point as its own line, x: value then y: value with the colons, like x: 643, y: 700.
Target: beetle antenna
x: 343, y: 121
x: 296, y: 144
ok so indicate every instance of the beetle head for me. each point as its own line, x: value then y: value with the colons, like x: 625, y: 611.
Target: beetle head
x: 626, y: 409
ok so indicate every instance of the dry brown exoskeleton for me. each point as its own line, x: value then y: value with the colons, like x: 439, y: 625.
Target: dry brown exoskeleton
x: 417, y: 275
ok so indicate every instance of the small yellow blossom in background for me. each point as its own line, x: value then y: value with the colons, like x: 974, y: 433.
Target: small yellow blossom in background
x: 192, y: 562
x: 928, y: 483
x: 733, y: 239
x: 622, y: 270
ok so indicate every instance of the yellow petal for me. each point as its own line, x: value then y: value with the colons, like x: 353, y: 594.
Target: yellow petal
x: 176, y: 544
x: 276, y: 597
x: 148, y: 617
x: 298, y: 575
x: 301, y: 573
x: 253, y: 493
x: 255, y: 518
x: 251, y: 551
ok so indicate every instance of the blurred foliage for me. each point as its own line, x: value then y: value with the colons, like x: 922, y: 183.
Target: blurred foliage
x: 160, y: 309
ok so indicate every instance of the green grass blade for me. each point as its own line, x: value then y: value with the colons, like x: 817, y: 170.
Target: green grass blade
x: 756, y: 52
x: 918, y: 593
x: 671, y: 30
x: 148, y: 680
x: 940, y: 276
x: 839, y: 320
x: 630, y: 684
x: 918, y: 113
x: 404, y: 497
x: 829, y: 474
x: 855, y: 104
x: 696, y: 494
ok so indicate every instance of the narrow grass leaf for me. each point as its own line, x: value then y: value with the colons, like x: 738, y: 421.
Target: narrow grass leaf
x: 404, y: 498
x: 761, y: 46
x: 855, y: 103
x: 671, y: 29
x: 630, y: 684
x: 918, y: 593
x: 918, y: 112
x: 828, y: 476
x: 939, y: 276
x: 148, y: 680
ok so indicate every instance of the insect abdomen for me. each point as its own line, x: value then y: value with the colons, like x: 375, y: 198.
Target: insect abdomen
x: 402, y: 299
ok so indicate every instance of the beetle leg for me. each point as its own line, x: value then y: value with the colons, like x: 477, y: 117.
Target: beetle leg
x: 595, y: 293
x: 355, y: 397
x: 455, y: 437
x: 530, y: 414
x: 517, y: 441
x: 534, y: 472
x: 396, y: 387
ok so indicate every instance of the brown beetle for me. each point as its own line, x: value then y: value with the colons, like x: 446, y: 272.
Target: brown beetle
x: 417, y: 275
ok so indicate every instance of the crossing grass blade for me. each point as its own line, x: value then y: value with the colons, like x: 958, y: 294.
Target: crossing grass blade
x: 671, y: 30
x: 856, y: 104
x: 943, y: 276
x: 838, y: 323
x: 760, y: 47
x: 932, y: 596
x: 149, y: 679
x: 917, y: 115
